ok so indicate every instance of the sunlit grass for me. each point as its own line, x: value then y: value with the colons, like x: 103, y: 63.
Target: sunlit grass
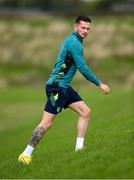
x: 109, y: 145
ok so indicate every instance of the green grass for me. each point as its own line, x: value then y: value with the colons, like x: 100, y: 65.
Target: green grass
x: 26, y: 21
x: 109, y: 143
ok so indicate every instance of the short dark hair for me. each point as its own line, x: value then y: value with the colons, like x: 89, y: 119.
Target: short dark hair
x: 82, y: 18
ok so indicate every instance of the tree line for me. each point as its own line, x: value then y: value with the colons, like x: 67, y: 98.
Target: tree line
x: 73, y: 6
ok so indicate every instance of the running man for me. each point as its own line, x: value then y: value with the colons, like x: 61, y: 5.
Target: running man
x: 59, y: 92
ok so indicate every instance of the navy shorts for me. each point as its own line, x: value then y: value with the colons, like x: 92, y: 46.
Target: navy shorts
x: 59, y: 97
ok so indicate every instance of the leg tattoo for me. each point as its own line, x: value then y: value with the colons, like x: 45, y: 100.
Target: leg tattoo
x: 36, y: 136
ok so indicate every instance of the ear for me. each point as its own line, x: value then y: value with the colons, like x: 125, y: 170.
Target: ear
x: 75, y: 27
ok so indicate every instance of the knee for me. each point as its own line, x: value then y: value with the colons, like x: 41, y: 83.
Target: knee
x: 86, y: 113
x: 49, y: 125
x: 46, y: 125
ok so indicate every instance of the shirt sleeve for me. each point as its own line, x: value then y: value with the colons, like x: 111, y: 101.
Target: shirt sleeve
x: 77, y: 53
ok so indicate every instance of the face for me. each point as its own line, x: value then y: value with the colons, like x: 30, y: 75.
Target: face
x: 82, y: 28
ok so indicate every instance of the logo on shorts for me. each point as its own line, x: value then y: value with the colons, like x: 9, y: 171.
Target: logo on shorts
x: 58, y: 109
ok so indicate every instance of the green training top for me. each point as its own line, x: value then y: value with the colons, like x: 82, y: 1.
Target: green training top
x: 71, y: 58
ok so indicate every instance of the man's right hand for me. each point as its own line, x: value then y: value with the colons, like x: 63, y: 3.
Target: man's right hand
x: 104, y: 88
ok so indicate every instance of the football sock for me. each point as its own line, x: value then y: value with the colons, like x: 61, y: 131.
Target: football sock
x: 28, y: 151
x: 79, y: 143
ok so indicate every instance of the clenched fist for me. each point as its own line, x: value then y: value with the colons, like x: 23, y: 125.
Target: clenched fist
x: 104, y: 88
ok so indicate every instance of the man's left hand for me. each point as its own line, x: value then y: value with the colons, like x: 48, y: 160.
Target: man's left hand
x: 105, y: 88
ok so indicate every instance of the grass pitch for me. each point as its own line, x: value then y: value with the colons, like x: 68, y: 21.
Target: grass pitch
x: 109, y: 143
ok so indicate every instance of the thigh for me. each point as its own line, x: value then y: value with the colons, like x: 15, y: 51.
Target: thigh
x: 79, y: 107
x: 72, y: 97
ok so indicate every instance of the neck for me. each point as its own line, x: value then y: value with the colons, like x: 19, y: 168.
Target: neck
x: 80, y: 38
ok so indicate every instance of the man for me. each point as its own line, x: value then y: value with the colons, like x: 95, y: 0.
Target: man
x: 60, y: 94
